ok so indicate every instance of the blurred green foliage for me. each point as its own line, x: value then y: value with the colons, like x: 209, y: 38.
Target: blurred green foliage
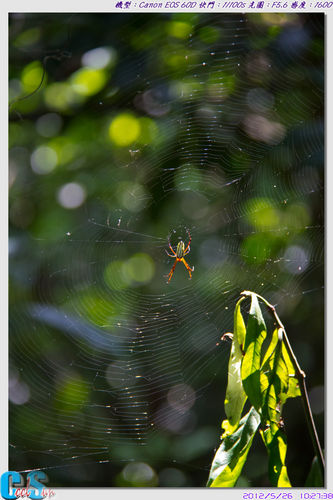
x: 124, y: 130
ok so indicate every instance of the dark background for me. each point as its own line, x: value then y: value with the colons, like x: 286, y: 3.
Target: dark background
x: 124, y: 130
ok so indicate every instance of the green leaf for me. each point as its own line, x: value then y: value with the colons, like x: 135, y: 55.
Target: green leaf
x: 230, y: 457
x: 276, y: 444
x: 267, y: 379
x: 274, y: 381
x: 239, y: 325
x: 254, y: 337
x: 270, y: 350
x: 315, y: 477
x: 235, y: 396
x: 293, y: 387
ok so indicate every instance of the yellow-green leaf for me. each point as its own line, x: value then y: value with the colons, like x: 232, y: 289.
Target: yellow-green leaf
x: 293, y: 386
x: 230, y: 457
x: 274, y: 381
x: 235, y: 396
x: 270, y: 350
x: 254, y: 337
x: 276, y: 444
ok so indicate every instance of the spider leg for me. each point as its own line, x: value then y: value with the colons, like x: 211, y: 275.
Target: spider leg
x: 190, y: 269
x: 172, y: 270
x: 172, y: 250
x: 170, y: 255
x: 188, y: 246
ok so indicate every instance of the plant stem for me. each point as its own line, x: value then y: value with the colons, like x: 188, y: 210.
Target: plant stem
x: 300, y: 375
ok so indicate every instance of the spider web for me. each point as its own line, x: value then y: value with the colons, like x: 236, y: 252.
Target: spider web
x: 141, y: 358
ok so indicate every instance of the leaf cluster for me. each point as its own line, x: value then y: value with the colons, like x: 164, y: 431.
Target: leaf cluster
x: 266, y: 378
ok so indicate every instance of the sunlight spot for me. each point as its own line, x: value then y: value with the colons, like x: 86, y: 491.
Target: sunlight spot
x: 49, y: 124
x: 19, y: 392
x: 115, y: 276
x: 66, y: 149
x: 71, y: 195
x: 261, y: 213
x: 131, y: 195
x: 297, y: 216
x: 32, y: 75
x: 261, y: 129
x: 279, y: 18
x: 61, y: 96
x: 140, y: 268
x: 296, y: 259
x: 181, y: 397
x: 124, y: 129
x: 99, y: 58
x: 43, y: 160
x: 88, y: 81
x: 173, y: 420
x: 178, y: 29
x: 139, y: 474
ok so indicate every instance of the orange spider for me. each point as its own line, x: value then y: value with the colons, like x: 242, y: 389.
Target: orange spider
x: 179, y: 255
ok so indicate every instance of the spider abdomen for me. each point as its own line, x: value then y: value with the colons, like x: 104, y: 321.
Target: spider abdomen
x: 180, y: 250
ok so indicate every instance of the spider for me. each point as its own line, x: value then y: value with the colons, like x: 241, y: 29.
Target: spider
x: 179, y: 255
